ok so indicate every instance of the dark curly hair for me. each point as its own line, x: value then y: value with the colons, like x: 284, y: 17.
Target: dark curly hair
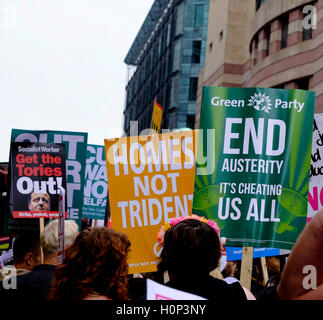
x: 95, y: 264
x: 190, y: 246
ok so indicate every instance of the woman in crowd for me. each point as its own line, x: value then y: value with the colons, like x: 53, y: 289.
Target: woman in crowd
x: 95, y: 267
x: 191, y: 250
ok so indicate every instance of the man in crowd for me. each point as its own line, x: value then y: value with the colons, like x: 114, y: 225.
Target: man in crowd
x: 36, y: 284
x: 26, y: 255
x: 26, y: 252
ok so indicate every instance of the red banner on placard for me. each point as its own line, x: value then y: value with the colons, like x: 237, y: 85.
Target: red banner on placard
x: 37, y: 214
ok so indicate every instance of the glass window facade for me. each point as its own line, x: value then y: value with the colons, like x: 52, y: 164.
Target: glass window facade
x: 168, y: 65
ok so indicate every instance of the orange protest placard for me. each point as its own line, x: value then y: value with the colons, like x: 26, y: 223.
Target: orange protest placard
x: 151, y: 180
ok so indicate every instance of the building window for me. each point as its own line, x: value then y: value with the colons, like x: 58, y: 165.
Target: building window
x: 259, y: 3
x: 255, y: 50
x: 308, y: 31
x: 267, y: 38
x: 221, y: 35
x: 180, y: 19
x: 167, y: 96
x: 193, y: 89
x: 196, y: 51
x: 177, y: 56
x: 284, y: 38
x: 164, y: 39
x: 190, y: 121
x: 198, y: 15
x: 279, y: 86
x: 168, y: 34
x: 303, y: 83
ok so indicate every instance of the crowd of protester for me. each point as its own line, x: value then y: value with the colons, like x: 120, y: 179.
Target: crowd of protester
x: 95, y: 265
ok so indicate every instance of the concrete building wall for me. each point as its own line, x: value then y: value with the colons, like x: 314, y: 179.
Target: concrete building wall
x: 253, y: 54
x: 227, y: 53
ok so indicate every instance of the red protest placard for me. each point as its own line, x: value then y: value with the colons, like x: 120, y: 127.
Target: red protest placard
x: 38, y: 173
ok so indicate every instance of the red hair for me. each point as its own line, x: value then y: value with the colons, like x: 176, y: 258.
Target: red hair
x: 95, y: 264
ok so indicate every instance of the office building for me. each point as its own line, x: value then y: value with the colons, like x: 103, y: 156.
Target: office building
x: 164, y: 62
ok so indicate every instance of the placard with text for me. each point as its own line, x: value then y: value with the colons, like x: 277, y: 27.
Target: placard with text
x: 150, y: 181
x: 96, y: 183
x: 75, y: 150
x: 253, y: 164
x: 315, y: 196
x: 38, y: 172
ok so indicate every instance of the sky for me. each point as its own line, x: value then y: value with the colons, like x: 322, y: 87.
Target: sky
x: 61, y: 65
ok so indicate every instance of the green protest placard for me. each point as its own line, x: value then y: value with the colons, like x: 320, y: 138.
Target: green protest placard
x: 253, y: 163
x: 75, y: 148
x: 96, y: 183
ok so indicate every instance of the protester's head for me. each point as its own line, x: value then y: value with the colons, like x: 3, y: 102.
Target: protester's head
x: 96, y: 264
x: 26, y: 251
x: 39, y: 201
x: 232, y: 269
x: 49, y: 238
x: 190, y: 247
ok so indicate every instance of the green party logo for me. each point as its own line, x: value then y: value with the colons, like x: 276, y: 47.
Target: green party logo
x: 260, y: 102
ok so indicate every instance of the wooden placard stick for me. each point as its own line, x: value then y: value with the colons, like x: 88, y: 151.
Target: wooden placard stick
x: 41, y: 229
x: 246, y: 267
x: 166, y: 276
x: 61, y: 227
x: 264, y: 269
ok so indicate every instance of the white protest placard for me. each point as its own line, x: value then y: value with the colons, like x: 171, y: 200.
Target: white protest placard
x: 315, y: 194
x: 156, y: 291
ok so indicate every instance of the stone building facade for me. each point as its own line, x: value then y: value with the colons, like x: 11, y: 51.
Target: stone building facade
x: 264, y: 43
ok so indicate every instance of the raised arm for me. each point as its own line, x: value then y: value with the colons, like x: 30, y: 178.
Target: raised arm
x: 308, y: 251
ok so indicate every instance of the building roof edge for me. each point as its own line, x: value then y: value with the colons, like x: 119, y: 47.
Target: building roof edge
x: 148, y: 26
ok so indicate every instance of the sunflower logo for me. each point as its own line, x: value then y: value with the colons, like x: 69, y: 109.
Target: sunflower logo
x: 260, y: 102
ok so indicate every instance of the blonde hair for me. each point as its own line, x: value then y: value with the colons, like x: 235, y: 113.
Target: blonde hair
x: 49, y: 237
